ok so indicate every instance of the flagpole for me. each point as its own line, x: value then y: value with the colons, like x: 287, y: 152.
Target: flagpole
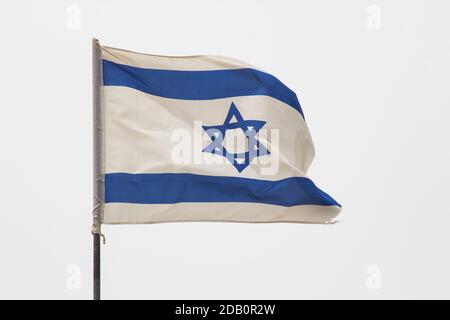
x: 96, y: 266
x: 98, y: 164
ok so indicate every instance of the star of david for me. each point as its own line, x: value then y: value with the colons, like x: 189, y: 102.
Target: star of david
x: 234, y: 120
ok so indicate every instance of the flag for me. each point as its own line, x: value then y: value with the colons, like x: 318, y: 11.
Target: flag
x: 201, y: 138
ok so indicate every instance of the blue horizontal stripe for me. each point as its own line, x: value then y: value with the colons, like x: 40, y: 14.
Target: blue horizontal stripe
x: 199, y: 85
x: 182, y: 187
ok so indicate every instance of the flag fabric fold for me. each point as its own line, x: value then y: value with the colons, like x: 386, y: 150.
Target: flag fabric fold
x: 203, y: 138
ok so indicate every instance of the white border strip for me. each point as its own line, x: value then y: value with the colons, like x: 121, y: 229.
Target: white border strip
x: 127, y: 213
x: 182, y: 63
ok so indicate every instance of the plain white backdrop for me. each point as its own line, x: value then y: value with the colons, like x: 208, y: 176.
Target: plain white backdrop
x: 373, y: 79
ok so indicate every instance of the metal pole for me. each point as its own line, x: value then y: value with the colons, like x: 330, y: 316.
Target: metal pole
x: 98, y: 163
x: 96, y: 266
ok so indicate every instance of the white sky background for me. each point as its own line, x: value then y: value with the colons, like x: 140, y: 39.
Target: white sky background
x: 376, y: 98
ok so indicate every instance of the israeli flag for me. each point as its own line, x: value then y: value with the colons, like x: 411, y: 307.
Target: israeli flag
x: 202, y: 138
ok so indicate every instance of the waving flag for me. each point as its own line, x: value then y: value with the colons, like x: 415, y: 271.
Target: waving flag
x: 201, y: 138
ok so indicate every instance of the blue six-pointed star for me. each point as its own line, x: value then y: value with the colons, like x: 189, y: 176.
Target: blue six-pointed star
x: 240, y: 160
